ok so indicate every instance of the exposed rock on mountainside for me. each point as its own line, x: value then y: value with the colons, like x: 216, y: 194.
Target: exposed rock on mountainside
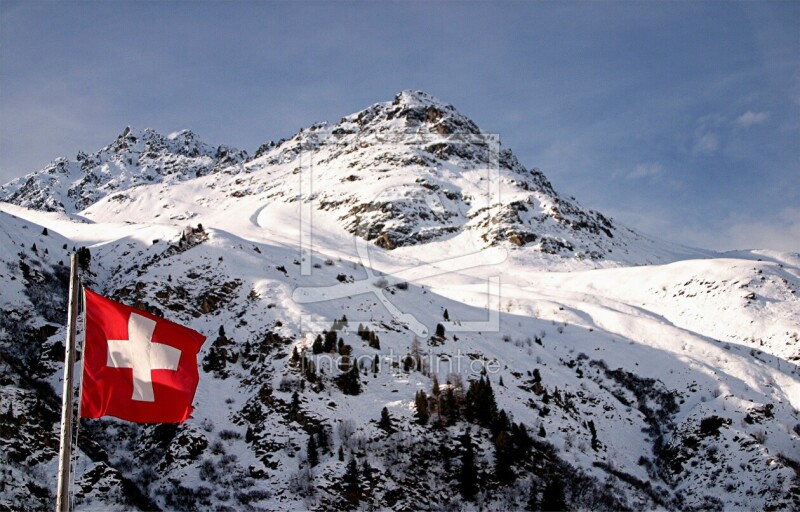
x: 134, y: 158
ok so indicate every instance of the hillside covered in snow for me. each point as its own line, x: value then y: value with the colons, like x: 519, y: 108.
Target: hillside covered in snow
x: 400, y: 315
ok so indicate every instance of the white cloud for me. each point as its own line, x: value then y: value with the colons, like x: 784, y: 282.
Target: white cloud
x: 780, y: 234
x: 706, y: 143
x: 750, y: 118
x: 647, y: 170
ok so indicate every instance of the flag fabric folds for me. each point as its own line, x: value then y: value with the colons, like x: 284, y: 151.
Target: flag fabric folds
x: 136, y: 366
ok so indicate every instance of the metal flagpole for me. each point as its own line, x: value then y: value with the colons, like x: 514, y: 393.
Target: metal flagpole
x: 65, y: 451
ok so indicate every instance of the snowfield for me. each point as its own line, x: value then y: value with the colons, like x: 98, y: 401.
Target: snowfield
x: 593, y: 367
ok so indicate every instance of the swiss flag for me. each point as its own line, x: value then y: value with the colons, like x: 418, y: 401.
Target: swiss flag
x: 136, y: 366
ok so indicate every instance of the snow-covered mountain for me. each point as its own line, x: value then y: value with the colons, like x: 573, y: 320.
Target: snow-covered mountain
x: 134, y: 158
x: 528, y: 352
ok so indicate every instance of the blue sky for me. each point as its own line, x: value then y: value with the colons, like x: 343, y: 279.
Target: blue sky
x: 680, y: 119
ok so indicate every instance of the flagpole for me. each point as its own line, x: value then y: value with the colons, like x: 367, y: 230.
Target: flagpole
x: 65, y: 451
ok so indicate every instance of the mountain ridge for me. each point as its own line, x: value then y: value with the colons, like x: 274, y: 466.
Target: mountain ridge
x: 399, y: 173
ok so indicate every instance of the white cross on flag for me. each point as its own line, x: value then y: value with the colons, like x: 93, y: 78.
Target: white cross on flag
x: 136, y: 366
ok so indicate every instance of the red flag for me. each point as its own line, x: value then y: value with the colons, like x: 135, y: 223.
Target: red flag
x: 136, y: 366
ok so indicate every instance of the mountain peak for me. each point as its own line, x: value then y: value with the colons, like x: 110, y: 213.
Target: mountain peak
x: 411, y: 98
x: 136, y: 157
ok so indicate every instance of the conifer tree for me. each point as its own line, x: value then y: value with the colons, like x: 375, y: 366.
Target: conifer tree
x: 352, y: 489
x: 593, y: 431
x: 503, y: 457
x: 316, y: 347
x: 385, y: 422
x: 467, y: 476
x: 421, y: 404
x: 330, y: 341
x: 366, y: 472
x: 452, y: 407
x: 373, y: 340
x: 350, y: 382
x: 294, y: 407
x: 553, y: 495
x: 446, y: 315
x: 313, y: 455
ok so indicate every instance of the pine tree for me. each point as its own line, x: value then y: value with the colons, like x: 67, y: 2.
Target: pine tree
x: 294, y: 406
x: 522, y: 441
x: 340, y: 454
x: 479, y: 403
x: 542, y: 432
x: 451, y: 406
x: 446, y: 456
x: 435, y: 389
x: 330, y: 341
x: 373, y: 340
x: 593, y: 430
x: 446, y: 315
x: 503, y: 457
x: 367, y: 472
x: 385, y: 422
x: 376, y: 364
x: 440, y: 332
x: 352, y: 490
x: 467, y: 477
x: 44, y: 232
x: 313, y: 455
x: 421, y: 404
x: 501, y: 423
x: 317, y: 347
x: 553, y: 495
x: 350, y: 382
x: 416, y: 353
x: 309, y: 370
x: 84, y: 258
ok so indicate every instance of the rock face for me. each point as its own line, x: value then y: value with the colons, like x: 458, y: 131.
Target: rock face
x: 134, y: 158
x: 414, y: 170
